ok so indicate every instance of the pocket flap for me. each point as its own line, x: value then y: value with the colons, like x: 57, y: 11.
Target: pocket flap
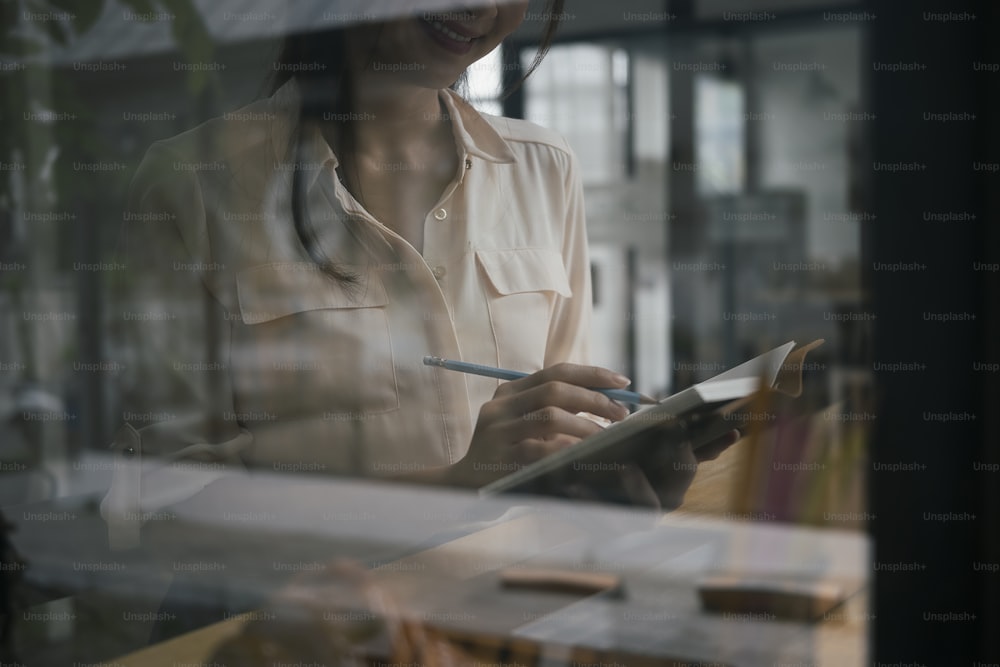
x: 270, y: 291
x: 525, y: 270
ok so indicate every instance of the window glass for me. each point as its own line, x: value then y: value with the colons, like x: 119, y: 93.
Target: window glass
x: 579, y: 91
x: 719, y: 135
x: 485, y: 81
x: 177, y: 456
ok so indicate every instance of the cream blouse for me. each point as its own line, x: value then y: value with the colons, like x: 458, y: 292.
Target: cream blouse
x: 237, y: 350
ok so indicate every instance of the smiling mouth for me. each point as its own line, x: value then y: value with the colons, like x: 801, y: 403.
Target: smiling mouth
x: 441, y: 28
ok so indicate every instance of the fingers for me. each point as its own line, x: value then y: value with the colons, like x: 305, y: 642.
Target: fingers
x: 534, y: 416
x: 547, y: 423
x: 574, y: 374
x: 533, y: 449
x: 711, y: 451
x: 673, y: 482
x: 628, y: 486
x: 568, y: 397
x: 640, y: 491
x: 545, y: 404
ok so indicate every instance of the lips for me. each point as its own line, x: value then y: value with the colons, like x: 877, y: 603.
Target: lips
x: 448, y: 34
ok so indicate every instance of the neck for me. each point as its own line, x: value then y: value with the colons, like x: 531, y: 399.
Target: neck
x: 404, y: 126
x: 400, y: 120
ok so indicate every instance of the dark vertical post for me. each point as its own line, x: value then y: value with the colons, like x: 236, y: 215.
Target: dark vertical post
x: 930, y: 518
x: 683, y: 216
x: 510, y: 56
x: 90, y: 384
x: 751, y: 129
x: 630, y: 111
x: 988, y: 547
x: 631, y: 329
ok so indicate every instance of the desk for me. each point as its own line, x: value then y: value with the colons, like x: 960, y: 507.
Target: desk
x: 453, y: 586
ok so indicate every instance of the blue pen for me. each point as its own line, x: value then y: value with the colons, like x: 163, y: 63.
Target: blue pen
x: 503, y: 374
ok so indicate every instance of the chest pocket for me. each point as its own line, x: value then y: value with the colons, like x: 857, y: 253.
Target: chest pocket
x: 306, y: 346
x: 522, y: 287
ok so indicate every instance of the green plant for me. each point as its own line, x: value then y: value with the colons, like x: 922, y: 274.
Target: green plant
x: 33, y: 104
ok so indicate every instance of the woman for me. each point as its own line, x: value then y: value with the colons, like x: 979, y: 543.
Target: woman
x: 361, y: 217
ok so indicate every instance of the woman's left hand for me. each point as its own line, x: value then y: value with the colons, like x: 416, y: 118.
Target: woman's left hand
x: 667, y: 472
x: 661, y: 478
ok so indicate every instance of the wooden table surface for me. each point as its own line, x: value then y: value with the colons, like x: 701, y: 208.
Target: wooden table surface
x: 454, y: 576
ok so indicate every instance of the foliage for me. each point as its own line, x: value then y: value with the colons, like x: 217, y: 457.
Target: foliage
x: 34, y: 96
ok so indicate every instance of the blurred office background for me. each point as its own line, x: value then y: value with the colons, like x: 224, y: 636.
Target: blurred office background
x: 720, y: 145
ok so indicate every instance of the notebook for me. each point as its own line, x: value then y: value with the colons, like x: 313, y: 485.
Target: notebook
x: 700, y: 414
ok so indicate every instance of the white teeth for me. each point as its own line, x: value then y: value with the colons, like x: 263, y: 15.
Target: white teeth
x: 440, y: 27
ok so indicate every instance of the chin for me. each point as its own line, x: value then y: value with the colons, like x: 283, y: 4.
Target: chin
x: 434, y: 75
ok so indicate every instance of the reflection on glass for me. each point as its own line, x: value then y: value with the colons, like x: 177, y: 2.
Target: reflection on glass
x: 427, y: 563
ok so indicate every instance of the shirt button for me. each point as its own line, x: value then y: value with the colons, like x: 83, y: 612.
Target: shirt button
x: 439, y: 272
x: 440, y: 214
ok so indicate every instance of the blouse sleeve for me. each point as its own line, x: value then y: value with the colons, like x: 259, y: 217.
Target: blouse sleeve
x: 569, y: 334
x: 178, y: 430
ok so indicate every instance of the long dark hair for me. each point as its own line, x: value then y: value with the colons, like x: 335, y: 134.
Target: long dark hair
x: 326, y: 91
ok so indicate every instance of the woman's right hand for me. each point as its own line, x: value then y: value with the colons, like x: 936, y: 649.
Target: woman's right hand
x: 530, y: 418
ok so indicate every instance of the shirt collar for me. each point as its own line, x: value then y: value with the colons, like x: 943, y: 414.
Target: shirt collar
x: 474, y: 135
